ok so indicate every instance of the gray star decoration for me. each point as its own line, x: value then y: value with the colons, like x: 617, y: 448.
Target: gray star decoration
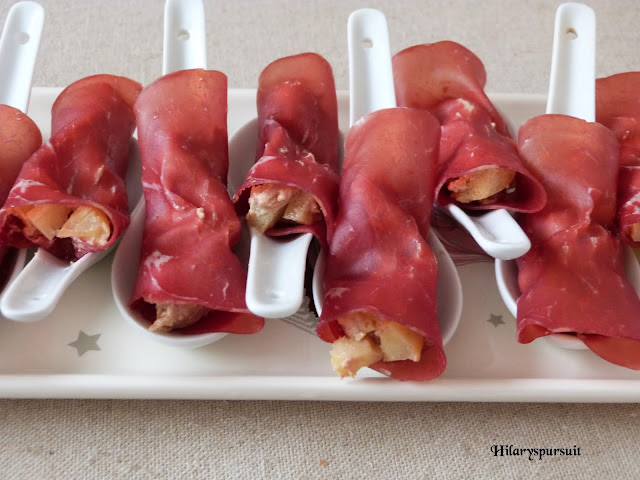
x: 495, y: 320
x: 85, y: 342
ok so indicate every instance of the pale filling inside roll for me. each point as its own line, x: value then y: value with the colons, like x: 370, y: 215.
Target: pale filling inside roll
x: 271, y: 204
x: 369, y: 339
x: 482, y: 186
x: 634, y: 232
x: 83, y: 223
x: 170, y: 316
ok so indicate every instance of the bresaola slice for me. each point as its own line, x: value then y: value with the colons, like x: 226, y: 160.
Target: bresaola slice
x: 380, y: 268
x: 470, y: 145
x: 618, y: 108
x: 77, y: 176
x: 478, y: 166
x: 573, y: 280
x: 298, y: 148
x: 429, y: 74
x: 187, y: 262
x: 20, y: 137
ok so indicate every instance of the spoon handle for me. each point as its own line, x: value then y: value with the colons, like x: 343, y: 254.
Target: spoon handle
x: 19, y: 44
x: 275, y: 278
x: 185, y: 45
x: 370, y: 72
x: 36, y: 291
x: 572, y: 85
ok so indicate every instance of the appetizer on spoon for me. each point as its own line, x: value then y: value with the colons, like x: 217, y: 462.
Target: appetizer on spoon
x: 68, y: 200
x: 388, y: 293
x: 19, y: 46
x: 72, y: 209
x: 479, y: 172
x: 188, y: 289
x: 289, y: 194
x: 577, y: 278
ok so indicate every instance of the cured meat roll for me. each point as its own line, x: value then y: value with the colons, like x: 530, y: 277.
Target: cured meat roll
x: 188, y: 278
x: 478, y: 166
x: 573, y: 280
x: 293, y: 185
x: 618, y: 108
x: 70, y: 196
x: 380, y: 283
x: 20, y: 137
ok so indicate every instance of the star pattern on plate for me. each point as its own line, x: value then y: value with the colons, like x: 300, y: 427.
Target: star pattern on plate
x: 495, y: 320
x: 85, y: 342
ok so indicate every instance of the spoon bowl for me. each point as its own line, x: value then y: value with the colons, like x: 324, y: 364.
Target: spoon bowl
x: 123, y: 279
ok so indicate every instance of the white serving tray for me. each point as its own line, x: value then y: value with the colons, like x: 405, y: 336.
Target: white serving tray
x: 286, y: 360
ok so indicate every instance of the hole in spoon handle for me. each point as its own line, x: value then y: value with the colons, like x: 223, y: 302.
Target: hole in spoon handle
x: 184, y: 36
x: 370, y: 72
x: 573, y: 64
x: 19, y: 44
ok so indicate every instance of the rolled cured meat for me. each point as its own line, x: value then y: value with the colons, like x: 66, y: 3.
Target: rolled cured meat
x: 380, y: 283
x: 618, y: 108
x: 573, y: 280
x: 478, y: 166
x: 188, y: 278
x: 70, y: 196
x: 20, y: 137
x: 293, y: 185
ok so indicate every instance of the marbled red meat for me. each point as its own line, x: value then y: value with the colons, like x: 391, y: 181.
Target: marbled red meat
x: 618, y: 108
x: 20, y: 137
x: 82, y: 164
x: 298, y: 143
x: 379, y: 260
x: 573, y: 280
x: 448, y: 80
x: 190, y: 224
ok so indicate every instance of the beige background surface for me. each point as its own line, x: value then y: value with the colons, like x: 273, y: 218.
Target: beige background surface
x: 214, y: 439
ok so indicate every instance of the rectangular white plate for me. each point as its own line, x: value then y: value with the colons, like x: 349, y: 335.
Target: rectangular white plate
x: 286, y: 360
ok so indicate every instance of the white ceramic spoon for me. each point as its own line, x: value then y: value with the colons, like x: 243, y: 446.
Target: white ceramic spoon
x: 19, y: 45
x: 371, y: 88
x: 184, y: 48
x: 571, y: 92
x: 275, y: 273
x: 495, y: 231
x: 36, y: 290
